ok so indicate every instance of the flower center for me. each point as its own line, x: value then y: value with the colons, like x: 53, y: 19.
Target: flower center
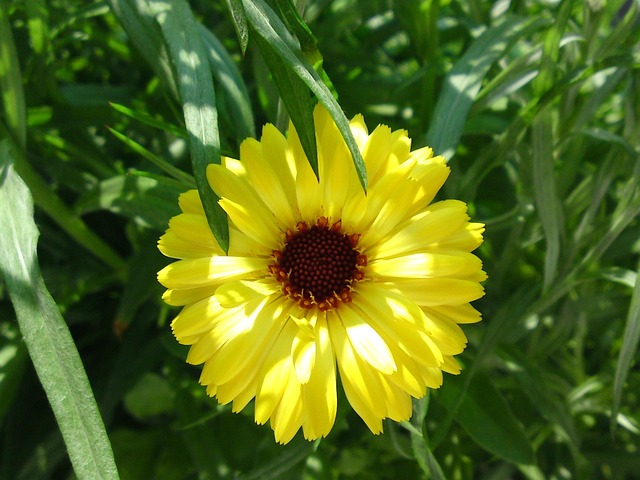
x: 318, y: 264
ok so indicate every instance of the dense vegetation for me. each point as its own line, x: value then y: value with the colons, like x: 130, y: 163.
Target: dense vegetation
x: 536, y: 104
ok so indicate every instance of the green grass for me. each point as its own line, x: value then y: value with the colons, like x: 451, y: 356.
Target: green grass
x: 535, y: 103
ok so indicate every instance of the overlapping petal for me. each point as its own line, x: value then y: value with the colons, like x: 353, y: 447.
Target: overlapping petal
x: 390, y: 334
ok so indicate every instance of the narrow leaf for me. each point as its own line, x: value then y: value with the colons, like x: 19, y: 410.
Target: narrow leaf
x: 235, y: 101
x: 630, y: 339
x: 239, y: 22
x: 548, y: 204
x: 463, y: 82
x: 296, y: 97
x: 487, y: 418
x: 138, y: 21
x: 11, y: 81
x: 270, y: 28
x: 46, y: 335
x: 195, y: 84
x: 148, y: 201
x: 176, y: 173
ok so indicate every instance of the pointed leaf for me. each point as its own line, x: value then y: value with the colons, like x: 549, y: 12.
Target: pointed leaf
x: 195, y: 84
x: 46, y: 335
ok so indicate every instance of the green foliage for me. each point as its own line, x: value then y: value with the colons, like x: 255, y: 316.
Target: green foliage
x: 110, y: 109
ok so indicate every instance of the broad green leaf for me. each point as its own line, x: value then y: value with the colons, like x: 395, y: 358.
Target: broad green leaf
x: 463, y: 82
x: 270, y: 28
x: 630, y: 340
x: 195, y: 84
x: 487, y: 418
x: 11, y: 89
x: 148, y: 201
x: 46, y: 335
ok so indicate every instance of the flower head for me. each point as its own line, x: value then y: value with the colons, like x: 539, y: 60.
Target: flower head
x: 322, y: 278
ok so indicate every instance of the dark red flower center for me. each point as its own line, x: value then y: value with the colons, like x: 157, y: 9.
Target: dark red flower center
x: 318, y: 264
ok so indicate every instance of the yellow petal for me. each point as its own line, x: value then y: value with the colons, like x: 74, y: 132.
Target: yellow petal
x: 458, y: 313
x: 437, y: 222
x: 288, y: 417
x: 430, y: 176
x: 366, y: 342
x: 376, y: 152
x: 402, y: 321
x: 466, y: 240
x: 173, y: 246
x: 439, y: 291
x: 232, y: 294
x: 262, y: 322
x: 425, y: 265
x: 399, y: 406
x: 274, y: 374
x: 181, y: 297
x: 319, y: 393
x: 198, y: 318
x: 200, y: 272
x: 190, y: 202
x: 360, y: 381
x: 281, y: 160
x: 262, y: 230
x: 263, y: 178
x: 303, y: 353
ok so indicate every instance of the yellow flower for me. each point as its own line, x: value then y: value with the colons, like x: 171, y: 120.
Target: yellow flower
x: 322, y: 278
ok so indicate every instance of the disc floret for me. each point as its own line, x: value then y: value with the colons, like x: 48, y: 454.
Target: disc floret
x: 318, y: 264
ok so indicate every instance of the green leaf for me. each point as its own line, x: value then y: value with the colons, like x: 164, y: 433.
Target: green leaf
x: 13, y: 356
x: 46, y: 335
x: 138, y: 20
x: 265, y: 23
x: 296, y: 97
x: 239, y: 22
x: 150, y: 120
x: 551, y: 50
x: 182, y: 177
x: 150, y: 397
x: 548, y: 203
x: 195, y: 84
x: 235, y: 104
x: 463, y: 82
x: 487, y: 418
x: 11, y: 81
x: 630, y: 340
x: 53, y: 206
x: 148, y: 201
x: 419, y: 441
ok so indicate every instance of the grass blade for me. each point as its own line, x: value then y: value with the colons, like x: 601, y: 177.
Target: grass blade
x: 138, y: 21
x: 11, y: 81
x: 46, y: 335
x: 548, y: 204
x: 270, y: 28
x: 195, y: 84
x: 463, y: 82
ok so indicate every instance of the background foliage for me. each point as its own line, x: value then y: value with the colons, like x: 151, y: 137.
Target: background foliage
x: 537, y: 105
